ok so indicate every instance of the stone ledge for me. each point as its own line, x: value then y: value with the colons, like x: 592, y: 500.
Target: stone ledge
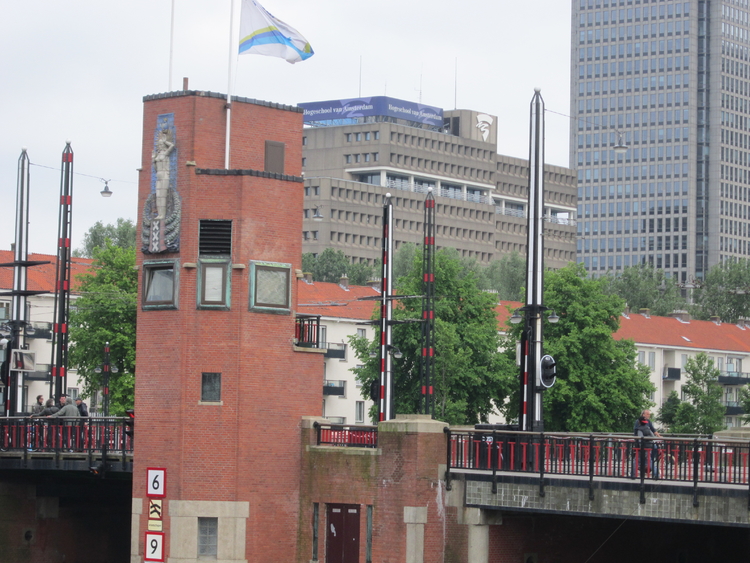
x: 418, y: 423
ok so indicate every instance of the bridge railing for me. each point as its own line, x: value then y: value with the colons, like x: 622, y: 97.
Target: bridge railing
x: 597, y: 455
x: 346, y: 436
x: 82, y: 434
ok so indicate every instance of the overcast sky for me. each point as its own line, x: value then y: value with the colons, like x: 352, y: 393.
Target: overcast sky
x: 79, y: 69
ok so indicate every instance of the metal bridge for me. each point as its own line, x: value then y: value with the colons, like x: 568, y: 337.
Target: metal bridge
x: 94, y: 444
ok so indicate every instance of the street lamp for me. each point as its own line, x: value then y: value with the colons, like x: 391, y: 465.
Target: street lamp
x: 106, y: 192
x: 620, y: 147
x: 106, y: 368
x: 318, y: 215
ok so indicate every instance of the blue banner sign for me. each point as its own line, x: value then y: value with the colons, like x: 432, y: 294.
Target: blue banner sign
x: 374, y: 106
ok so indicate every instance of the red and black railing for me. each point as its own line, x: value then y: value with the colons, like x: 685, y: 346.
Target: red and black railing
x: 600, y: 456
x: 76, y: 434
x: 346, y: 436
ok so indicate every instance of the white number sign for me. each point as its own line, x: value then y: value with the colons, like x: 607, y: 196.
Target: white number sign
x: 154, y: 548
x: 156, y: 482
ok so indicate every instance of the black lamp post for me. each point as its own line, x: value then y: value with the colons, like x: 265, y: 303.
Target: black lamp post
x: 106, y: 368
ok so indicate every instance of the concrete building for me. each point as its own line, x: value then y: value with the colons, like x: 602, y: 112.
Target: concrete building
x: 669, y: 80
x: 666, y: 343
x: 343, y: 310
x: 40, y: 315
x: 356, y: 151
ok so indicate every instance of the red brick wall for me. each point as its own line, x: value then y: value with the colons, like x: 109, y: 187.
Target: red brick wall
x: 247, y: 449
x: 405, y: 474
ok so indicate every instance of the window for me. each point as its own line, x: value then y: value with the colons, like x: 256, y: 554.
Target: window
x: 359, y: 414
x: 72, y: 392
x: 208, y: 536
x: 214, y: 248
x: 211, y: 387
x: 160, y: 284
x: 214, y: 284
x: 652, y: 360
x: 274, y: 161
x: 270, y: 286
x: 361, y: 333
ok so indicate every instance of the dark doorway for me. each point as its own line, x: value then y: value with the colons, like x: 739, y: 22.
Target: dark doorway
x: 342, y: 533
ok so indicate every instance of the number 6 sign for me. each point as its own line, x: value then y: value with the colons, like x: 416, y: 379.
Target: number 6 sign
x: 156, y: 482
x: 154, y: 550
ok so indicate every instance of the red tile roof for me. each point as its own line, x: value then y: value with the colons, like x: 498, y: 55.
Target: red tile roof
x: 668, y: 331
x: 40, y: 278
x: 332, y: 300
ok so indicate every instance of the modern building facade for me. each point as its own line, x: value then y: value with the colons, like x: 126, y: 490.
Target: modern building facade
x: 356, y: 151
x: 669, y: 80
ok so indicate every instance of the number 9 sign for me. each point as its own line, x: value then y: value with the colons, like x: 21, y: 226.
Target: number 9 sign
x: 154, y: 548
x: 156, y: 482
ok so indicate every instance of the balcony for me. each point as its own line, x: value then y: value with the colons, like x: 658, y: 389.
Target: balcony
x: 334, y: 387
x: 734, y: 378
x: 733, y: 408
x: 307, y: 331
x: 40, y: 330
x: 672, y: 374
x: 334, y: 350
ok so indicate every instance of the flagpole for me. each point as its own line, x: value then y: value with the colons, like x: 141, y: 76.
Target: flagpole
x: 229, y: 85
x: 171, y: 47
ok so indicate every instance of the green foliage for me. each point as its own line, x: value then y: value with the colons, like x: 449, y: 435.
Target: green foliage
x: 668, y: 411
x: 403, y: 259
x: 106, y: 312
x: 600, y: 387
x: 507, y: 276
x: 702, y: 412
x: 645, y: 287
x: 361, y: 273
x: 122, y: 235
x: 308, y: 262
x: 725, y: 292
x: 330, y: 266
x: 744, y: 400
x: 469, y: 375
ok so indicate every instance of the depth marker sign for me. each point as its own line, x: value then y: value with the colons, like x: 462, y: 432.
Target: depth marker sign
x: 156, y: 482
x: 154, y: 550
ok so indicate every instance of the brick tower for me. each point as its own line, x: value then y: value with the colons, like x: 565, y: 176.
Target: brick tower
x: 221, y: 386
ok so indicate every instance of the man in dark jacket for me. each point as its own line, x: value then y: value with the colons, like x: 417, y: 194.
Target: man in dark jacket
x: 83, y: 409
x: 643, y: 427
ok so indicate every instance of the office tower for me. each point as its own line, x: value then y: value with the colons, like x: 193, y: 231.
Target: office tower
x: 669, y: 81
x: 356, y: 151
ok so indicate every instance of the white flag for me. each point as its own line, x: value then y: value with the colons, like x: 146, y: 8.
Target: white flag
x: 263, y: 34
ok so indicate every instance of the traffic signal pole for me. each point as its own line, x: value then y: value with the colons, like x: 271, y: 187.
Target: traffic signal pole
x: 531, y: 411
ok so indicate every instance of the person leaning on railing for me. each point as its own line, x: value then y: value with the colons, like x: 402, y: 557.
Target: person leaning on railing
x: 68, y: 411
x: 49, y: 409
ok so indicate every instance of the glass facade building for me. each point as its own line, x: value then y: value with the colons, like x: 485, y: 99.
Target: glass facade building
x: 669, y: 80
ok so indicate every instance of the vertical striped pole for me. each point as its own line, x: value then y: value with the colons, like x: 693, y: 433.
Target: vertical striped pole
x: 386, y: 309
x: 62, y: 276
x: 428, y: 305
x: 534, y: 268
x: 14, y: 381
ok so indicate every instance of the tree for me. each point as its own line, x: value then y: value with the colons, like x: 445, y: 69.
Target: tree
x: 725, y: 292
x: 600, y: 387
x: 668, y: 411
x: 308, y: 262
x: 122, y: 234
x: 645, y: 287
x: 361, y: 273
x: 330, y: 265
x: 744, y: 400
x: 469, y: 375
x: 702, y: 411
x: 403, y: 259
x: 106, y: 312
x: 507, y: 276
